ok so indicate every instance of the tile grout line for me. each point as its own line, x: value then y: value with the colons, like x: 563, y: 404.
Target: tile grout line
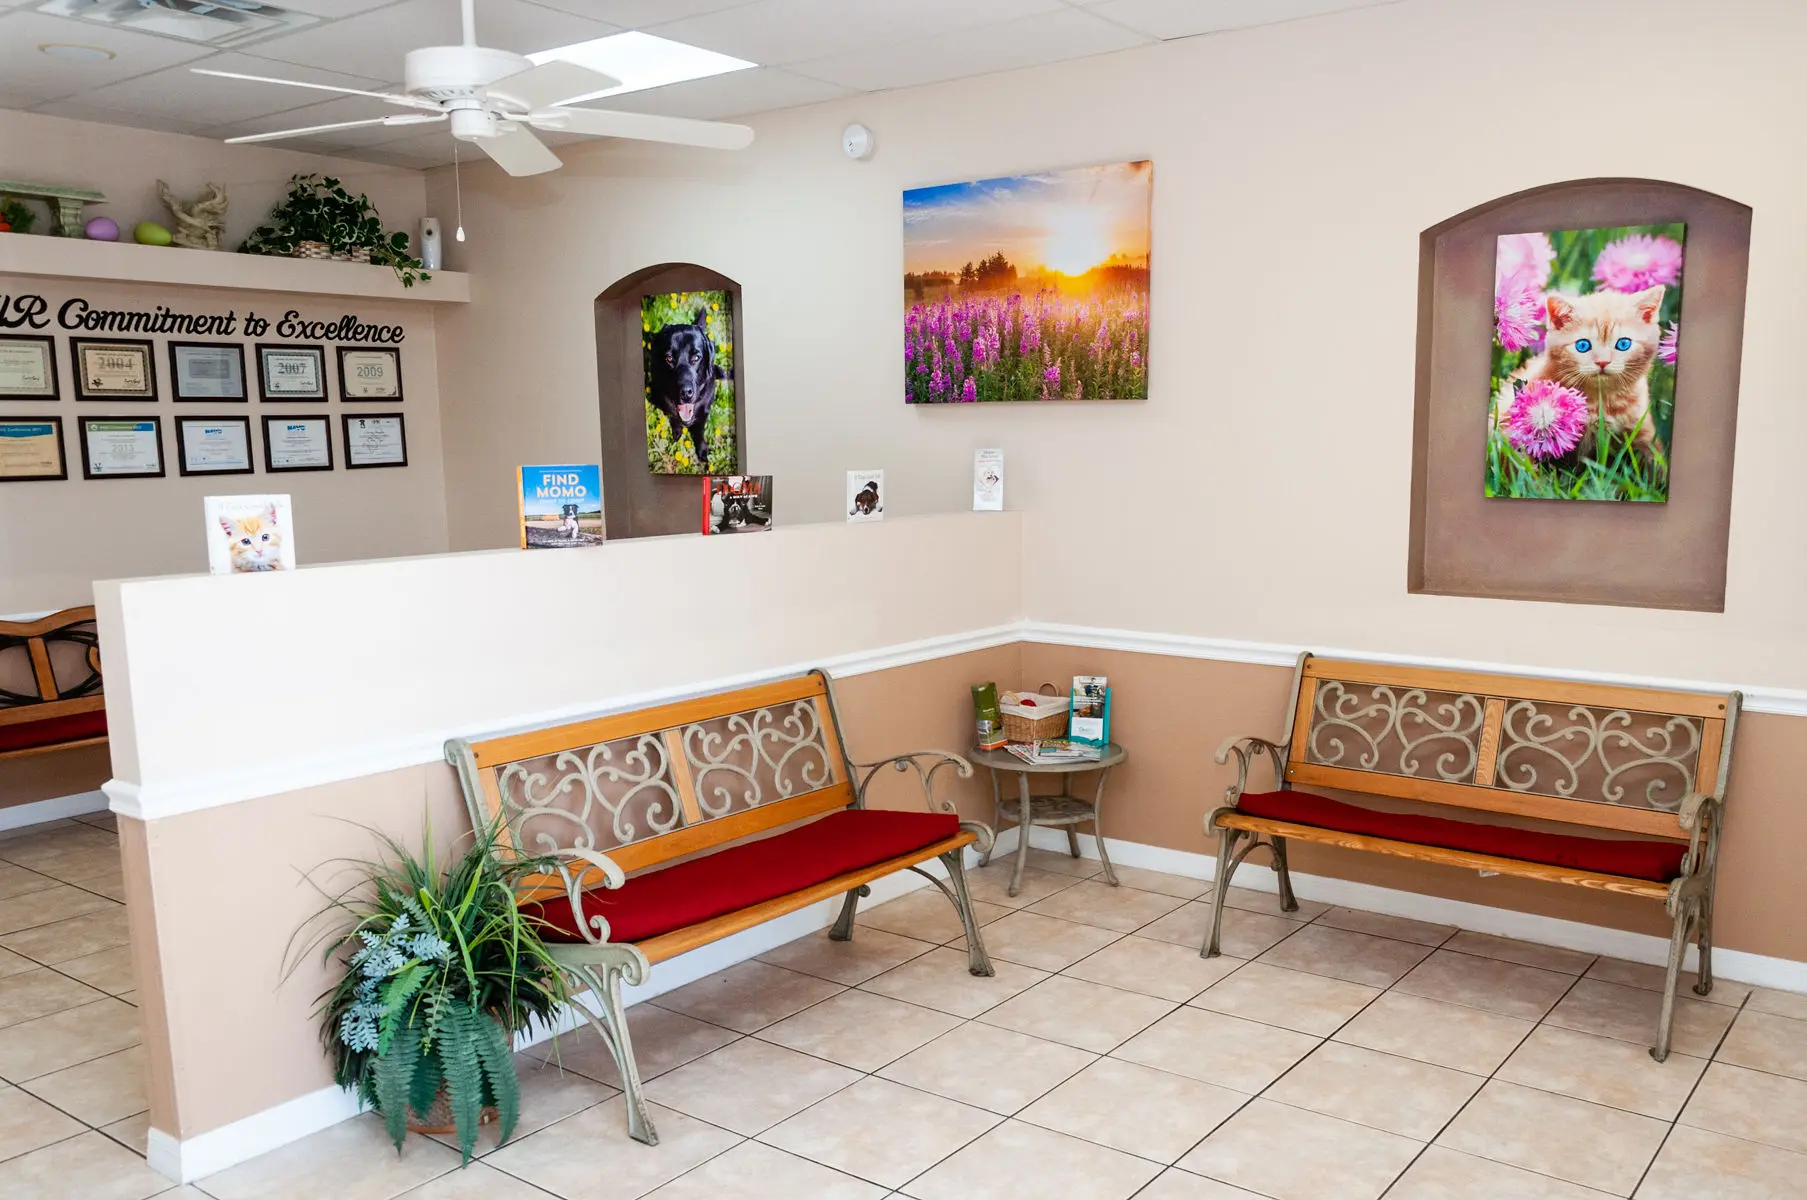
x: 1675, y: 1122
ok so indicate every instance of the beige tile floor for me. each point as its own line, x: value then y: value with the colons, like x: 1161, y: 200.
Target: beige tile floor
x: 1340, y: 1055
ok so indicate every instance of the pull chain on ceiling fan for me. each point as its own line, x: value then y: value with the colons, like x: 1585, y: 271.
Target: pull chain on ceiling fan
x: 495, y: 99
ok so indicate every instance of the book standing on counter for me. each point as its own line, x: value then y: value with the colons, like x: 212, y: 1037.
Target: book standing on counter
x: 561, y: 506
x: 737, y: 503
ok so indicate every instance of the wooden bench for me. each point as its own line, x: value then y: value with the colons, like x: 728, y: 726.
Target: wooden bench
x: 1613, y: 761
x: 50, y: 684
x: 619, y: 799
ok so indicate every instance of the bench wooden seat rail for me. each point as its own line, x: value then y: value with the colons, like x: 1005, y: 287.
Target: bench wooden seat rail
x: 617, y: 801
x: 50, y: 684
x: 1639, y: 774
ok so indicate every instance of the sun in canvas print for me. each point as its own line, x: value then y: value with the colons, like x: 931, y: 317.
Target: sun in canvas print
x: 1031, y: 287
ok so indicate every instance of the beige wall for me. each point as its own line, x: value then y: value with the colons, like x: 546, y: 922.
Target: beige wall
x: 1262, y: 491
x: 125, y: 165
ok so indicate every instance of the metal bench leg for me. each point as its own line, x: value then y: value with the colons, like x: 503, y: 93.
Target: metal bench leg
x: 1678, y: 949
x: 842, y: 929
x: 977, y: 961
x: 1704, y: 936
x: 604, y: 982
x: 1288, y: 903
x: 1226, y: 867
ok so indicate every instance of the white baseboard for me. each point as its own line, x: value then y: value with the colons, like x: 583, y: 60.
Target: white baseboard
x: 1760, y: 969
x: 18, y: 816
x: 188, y: 1159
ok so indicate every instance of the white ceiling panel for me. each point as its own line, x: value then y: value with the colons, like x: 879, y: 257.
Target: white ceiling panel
x: 732, y: 95
x: 778, y: 32
x: 631, y: 14
x: 205, y: 100
x: 375, y: 43
x: 130, y: 118
x: 1028, y: 41
x: 26, y: 70
x: 1186, y: 18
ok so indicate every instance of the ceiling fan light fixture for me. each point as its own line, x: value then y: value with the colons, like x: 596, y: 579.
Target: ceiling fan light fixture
x: 641, y: 61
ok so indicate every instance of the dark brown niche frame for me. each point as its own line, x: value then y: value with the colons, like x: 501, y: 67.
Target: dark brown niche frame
x: 636, y: 502
x: 1669, y: 555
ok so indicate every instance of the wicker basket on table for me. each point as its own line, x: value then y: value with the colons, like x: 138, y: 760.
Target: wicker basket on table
x: 1034, y: 716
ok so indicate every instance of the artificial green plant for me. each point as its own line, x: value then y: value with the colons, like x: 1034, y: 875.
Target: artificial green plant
x: 319, y: 209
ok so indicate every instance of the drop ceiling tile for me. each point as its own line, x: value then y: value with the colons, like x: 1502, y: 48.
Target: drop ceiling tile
x: 778, y: 32
x: 637, y: 14
x: 40, y: 77
x: 375, y: 43
x: 1028, y: 41
x: 206, y: 101
x: 1185, y: 18
x: 732, y: 95
x: 130, y: 118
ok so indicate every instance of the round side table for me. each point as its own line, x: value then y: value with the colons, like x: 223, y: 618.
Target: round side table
x: 1065, y: 809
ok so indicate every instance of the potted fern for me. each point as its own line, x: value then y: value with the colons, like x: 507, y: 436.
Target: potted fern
x: 442, y: 972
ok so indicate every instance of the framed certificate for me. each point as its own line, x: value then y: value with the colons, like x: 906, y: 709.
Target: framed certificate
x: 370, y: 374
x: 298, y: 444
x: 376, y: 440
x: 207, y: 371
x: 213, y: 445
x: 291, y: 372
x: 31, y: 448
x: 28, y: 368
x: 122, y: 447
x: 113, y: 370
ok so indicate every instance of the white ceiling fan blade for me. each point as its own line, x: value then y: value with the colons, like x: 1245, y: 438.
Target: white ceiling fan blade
x: 520, y: 153
x: 390, y: 97
x: 682, y: 131
x: 408, y: 119
x: 548, y: 83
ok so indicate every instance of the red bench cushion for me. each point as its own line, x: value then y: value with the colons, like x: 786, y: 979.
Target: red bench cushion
x: 1656, y: 861
x: 51, y: 731
x: 742, y: 876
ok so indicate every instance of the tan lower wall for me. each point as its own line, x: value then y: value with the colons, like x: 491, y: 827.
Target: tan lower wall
x: 1172, y: 714
x: 234, y: 1031
x: 57, y: 773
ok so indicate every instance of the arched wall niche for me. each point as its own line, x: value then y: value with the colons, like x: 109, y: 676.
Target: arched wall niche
x: 636, y: 502
x: 1669, y: 555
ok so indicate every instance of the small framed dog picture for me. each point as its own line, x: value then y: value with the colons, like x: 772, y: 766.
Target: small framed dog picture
x: 865, y: 495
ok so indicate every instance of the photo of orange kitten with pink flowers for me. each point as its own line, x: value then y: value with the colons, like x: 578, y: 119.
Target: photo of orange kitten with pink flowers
x: 1587, y: 328
x: 249, y: 534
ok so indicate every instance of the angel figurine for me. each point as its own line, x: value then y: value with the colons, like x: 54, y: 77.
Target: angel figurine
x: 198, y: 225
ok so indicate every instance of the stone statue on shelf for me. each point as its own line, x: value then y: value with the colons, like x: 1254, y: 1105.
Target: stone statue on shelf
x: 198, y: 225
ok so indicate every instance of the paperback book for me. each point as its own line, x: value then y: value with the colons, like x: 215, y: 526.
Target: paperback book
x: 1091, y: 721
x: 1055, y: 751
x: 561, y: 507
x: 249, y: 534
x: 737, y: 503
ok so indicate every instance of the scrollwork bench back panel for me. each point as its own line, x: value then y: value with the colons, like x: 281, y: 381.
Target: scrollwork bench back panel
x: 50, y: 667
x: 650, y: 786
x: 1591, y: 754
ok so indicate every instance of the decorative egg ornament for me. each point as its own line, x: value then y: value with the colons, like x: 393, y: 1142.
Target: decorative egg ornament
x: 149, y: 233
x: 102, y: 229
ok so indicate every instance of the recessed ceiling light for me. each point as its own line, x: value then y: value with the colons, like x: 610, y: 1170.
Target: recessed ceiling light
x: 72, y: 51
x: 641, y: 61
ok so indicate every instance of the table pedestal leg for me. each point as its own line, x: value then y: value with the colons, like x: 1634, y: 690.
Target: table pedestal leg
x: 1024, y: 824
x: 997, y: 815
x: 1110, y: 872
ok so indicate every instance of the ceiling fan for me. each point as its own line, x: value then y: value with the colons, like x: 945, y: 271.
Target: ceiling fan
x: 495, y: 99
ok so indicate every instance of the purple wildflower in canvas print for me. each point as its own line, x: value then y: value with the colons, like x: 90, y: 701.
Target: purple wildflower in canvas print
x: 1582, y: 398
x: 1033, y: 287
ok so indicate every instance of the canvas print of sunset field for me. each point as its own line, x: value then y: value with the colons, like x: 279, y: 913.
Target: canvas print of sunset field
x: 1031, y: 287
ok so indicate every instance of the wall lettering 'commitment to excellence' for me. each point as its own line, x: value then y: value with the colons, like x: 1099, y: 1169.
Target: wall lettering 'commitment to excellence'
x: 33, y: 312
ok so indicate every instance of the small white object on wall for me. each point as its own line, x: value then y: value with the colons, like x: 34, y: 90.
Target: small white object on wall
x: 857, y: 141
x: 865, y: 495
x: 988, y: 481
x: 432, y: 253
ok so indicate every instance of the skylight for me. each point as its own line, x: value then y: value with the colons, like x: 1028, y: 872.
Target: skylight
x: 641, y: 61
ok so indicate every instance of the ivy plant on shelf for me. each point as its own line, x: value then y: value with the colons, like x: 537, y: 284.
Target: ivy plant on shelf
x: 320, y: 219
x: 442, y: 972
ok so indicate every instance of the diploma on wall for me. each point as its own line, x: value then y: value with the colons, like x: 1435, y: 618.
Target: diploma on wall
x: 292, y: 372
x: 207, y: 370
x: 32, y: 448
x: 27, y: 368
x: 366, y: 374
x: 377, y: 440
x: 114, y: 448
x: 114, y: 370
x: 214, y: 445
x: 297, y: 444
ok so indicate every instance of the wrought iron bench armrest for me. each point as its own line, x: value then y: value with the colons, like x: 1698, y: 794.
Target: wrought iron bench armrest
x: 1247, y: 749
x: 595, y: 930
x: 925, y: 763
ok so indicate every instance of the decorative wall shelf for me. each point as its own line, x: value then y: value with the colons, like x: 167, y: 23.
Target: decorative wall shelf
x: 128, y: 262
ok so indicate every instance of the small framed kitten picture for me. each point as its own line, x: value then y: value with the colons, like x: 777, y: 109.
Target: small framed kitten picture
x: 248, y: 535
x: 1586, y: 350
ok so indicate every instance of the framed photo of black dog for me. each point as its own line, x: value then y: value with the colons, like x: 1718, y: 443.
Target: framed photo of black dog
x: 688, y: 340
